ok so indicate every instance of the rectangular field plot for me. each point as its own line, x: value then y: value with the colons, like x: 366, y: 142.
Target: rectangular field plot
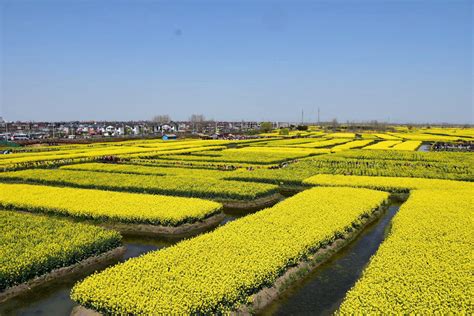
x: 455, y: 166
x: 51, y: 157
x: 106, y: 205
x: 253, y: 155
x: 387, y: 144
x: 179, y: 185
x: 67, y: 154
x: 31, y: 245
x: 352, y: 144
x: 324, y: 143
x: 386, y: 183
x: 425, y: 265
x: 446, y: 157
x: 213, y: 272
x: 135, y: 168
x: 410, y: 145
x: 287, y: 142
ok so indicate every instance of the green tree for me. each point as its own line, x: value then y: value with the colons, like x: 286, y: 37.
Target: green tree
x: 302, y: 127
x: 266, y: 127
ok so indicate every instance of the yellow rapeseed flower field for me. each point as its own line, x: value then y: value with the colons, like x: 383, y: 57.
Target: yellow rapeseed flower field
x: 213, y: 272
x: 32, y: 245
x: 386, y: 183
x: 386, y: 144
x: 106, y: 205
x: 255, y: 155
x: 133, y: 168
x: 426, y: 264
x: 408, y: 145
x: 179, y: 185
x: 352, y: 144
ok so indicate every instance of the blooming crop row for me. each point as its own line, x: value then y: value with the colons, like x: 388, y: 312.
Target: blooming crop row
x: 190, y: 164
x: 213, y: 272
x: 254, y: 155
x: 321, y: 143
x: 69, y: 154
x: 352, y: 144
x: 408, y: 145
x: 425, y: 265
x: 90, y: 152
x: 452, y: 157
x: 32, y: 245
x: 148, y: 170
x: 171, y: 151
x: 367, y: 163
x: 387, y: 144
x: 386, y: 137
x: 179, y: 185
x: 287, y: 142
x: 106, y: 205
x: 426, y: 137
x: 386, y: 183
x: 466, y: 134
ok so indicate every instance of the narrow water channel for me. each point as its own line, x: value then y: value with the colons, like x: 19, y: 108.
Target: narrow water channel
x: 321, y: 292
x: 425, y: 147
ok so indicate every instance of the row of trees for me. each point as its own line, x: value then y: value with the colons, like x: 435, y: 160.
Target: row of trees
x: 165, y: 118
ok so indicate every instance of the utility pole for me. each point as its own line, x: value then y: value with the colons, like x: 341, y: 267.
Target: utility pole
x: 319, y: 121
x: 302, y: 116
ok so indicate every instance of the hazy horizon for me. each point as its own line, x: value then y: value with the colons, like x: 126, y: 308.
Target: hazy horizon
x: 395, y: 61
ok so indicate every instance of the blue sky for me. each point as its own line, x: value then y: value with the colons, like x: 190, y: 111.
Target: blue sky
x: 402, y: 61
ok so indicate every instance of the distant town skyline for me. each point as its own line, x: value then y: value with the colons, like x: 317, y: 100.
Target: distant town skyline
x: 395, y: 61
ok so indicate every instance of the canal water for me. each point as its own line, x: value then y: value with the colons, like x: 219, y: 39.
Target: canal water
x: 318, y: 294
x: 425, y: 147
x: 321, y: 292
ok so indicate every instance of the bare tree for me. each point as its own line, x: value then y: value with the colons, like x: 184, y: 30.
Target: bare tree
x: 197, y: 120
x: 164, y: 118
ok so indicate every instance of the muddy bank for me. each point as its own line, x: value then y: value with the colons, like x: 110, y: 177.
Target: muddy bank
x: 187, y: 229
x: 253, y: 205
x: 89, y: 263
x: 137, y: 229
x: 290, y: 190
x: 82, y: 311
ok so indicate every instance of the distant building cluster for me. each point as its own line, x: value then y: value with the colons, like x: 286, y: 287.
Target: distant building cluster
x: 15, y: 131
